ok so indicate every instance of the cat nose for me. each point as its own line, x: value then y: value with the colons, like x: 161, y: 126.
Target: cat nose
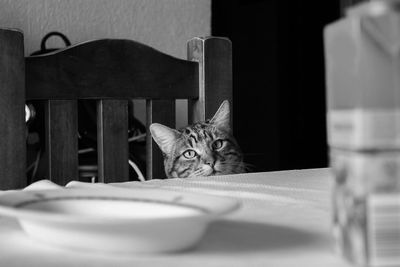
x: 210, y: 162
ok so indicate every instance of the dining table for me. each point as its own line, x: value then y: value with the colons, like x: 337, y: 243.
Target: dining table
x: 284, y: 219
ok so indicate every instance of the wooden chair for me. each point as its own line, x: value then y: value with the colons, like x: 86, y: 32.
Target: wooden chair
x: 111, y: 71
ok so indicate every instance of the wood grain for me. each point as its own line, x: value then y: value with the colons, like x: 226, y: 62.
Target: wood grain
x: 112, y: 140
x: 12, y: 111
x: 113, y: 71
x: 160, y: 111
x: 61, y: 126
x: 214, y: 56
x: 110, y: 68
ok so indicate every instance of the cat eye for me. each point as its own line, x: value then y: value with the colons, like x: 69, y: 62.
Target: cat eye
x: 218, y: 144
x: 189, y: 154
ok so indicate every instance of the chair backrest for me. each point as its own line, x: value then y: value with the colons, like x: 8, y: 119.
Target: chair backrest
x: 110, y: 71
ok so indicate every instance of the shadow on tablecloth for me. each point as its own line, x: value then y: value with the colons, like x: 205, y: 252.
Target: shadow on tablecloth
x: 234, y: 236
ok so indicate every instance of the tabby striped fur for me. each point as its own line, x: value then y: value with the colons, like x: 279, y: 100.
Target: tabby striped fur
x: 202, y: 149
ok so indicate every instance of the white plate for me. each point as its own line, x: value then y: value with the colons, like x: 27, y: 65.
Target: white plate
x: 114, y: 219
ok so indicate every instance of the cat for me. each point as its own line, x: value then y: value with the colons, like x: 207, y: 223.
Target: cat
x: 202, y: 149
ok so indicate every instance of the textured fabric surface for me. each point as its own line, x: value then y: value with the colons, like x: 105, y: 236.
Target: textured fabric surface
x: 284, y: 220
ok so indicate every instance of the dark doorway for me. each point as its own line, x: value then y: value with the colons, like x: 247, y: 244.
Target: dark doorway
x: 279, y: 79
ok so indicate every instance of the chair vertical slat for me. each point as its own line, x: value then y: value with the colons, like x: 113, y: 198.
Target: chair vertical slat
x: 61, y: 125
x: 160, y: 111
x: 112, y: 140
x: 12, y: 101
x: 214, y: 55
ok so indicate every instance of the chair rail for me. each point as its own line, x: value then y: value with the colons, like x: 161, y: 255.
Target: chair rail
x: 117, y: 68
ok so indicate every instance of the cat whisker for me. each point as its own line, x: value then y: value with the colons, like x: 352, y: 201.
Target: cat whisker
x: 196, y: 144
x: 196, y: 173
x: 237, y: 167
x: 248, y: 167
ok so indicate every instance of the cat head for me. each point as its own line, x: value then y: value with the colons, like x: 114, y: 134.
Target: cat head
x: 202, y: 149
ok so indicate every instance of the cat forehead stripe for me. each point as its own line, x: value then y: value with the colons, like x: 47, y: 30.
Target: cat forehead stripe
x: 190, y: 140
x: 193, y: 136
x: 211, y: 159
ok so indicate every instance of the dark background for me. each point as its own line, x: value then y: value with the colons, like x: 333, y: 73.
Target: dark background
x: 279, y: 79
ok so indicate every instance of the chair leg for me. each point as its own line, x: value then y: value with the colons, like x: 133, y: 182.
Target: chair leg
x: 12, y: 110
x: 214, y: 55
x: 61, y: 140
x: 112, y: 140
x: 160, y: 111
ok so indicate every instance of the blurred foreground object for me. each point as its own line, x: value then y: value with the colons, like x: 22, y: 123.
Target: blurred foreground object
x: 363, y: 91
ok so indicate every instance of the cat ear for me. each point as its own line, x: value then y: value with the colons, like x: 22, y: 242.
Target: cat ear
x: 164, y: 136
x: 222, y: 118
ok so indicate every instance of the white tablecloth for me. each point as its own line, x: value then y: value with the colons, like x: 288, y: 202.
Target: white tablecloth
x: 284, y: 221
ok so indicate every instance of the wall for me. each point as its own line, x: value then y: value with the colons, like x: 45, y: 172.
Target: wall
x: 163, y: 24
